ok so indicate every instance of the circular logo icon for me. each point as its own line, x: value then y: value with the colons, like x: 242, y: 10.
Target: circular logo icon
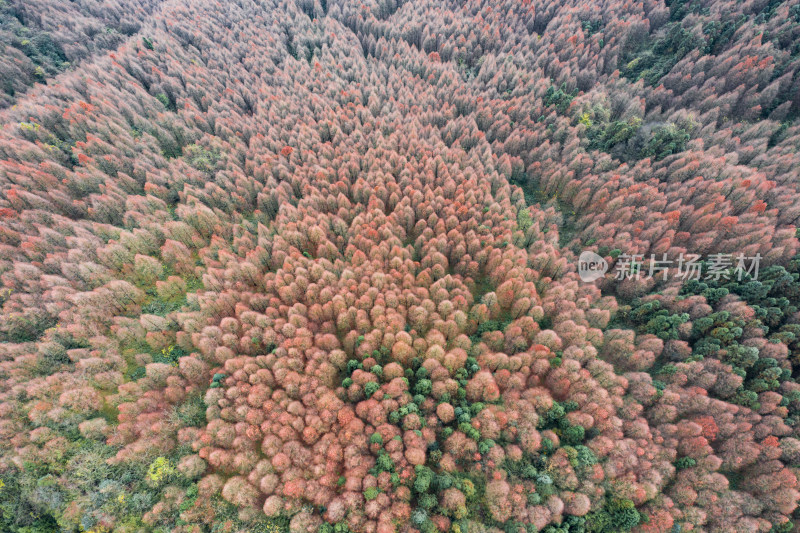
x: 591, y: 266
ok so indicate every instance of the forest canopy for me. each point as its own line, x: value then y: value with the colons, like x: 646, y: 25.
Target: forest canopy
x: 313, y: 266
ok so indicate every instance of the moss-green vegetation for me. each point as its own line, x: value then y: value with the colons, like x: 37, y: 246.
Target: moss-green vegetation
x: 559, y: 97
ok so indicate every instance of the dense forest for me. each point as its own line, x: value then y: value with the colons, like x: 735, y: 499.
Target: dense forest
x: 311, y: 266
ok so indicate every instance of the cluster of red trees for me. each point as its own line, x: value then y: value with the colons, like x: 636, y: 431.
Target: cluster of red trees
x: 311, y: 265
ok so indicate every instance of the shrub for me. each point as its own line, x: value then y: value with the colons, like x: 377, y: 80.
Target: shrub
x: 160, y: 470
x: 371, y: 388
x: 666, y: 140
x: 371, y: 493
